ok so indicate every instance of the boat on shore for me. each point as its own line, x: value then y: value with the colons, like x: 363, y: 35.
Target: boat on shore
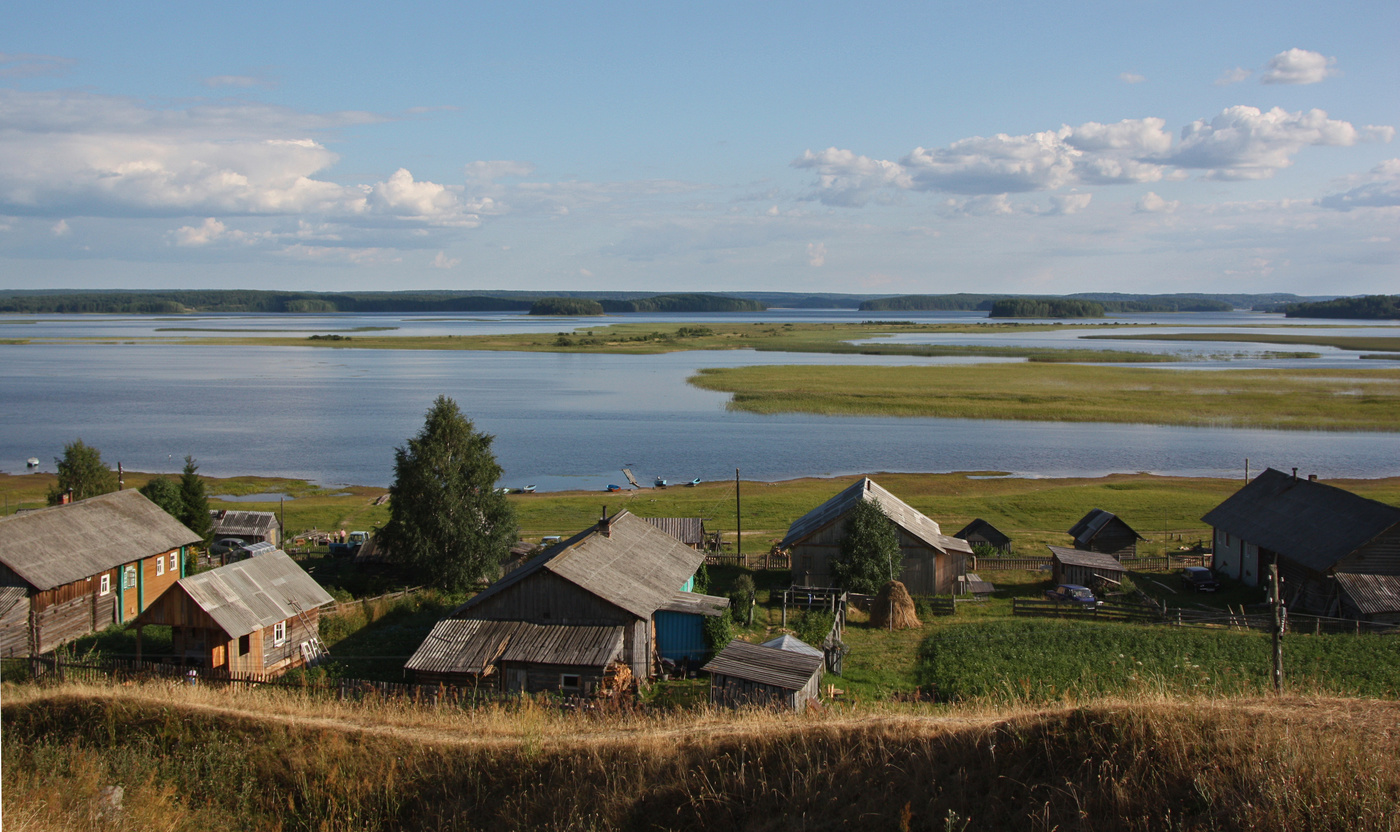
x: 660, y: 483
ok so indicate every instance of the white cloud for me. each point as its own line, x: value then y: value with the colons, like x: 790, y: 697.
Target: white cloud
x: 1150, y: 203
x: 60, y: 229
x: 25, y: 65
x: 442, y: 261
x: 1131, y: 78
x: 1071, y: 203
x: 1232, y: 76
x: 816, y: 254
x: 491, y: 171
x: 400, y: 195
x: 1297, y: 66
x: 1245, y: 143
x: 1379, y: 189
x: 189, y: 235
x: 848, y: 179
x: 584, y: 273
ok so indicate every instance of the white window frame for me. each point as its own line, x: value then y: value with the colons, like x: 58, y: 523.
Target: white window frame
x: 104, y: 585
x: 129, y: 577
x: 160, y: 566
x: 279, y: 633
x: 174, y: 561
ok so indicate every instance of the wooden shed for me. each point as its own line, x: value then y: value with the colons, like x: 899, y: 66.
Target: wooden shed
x: 69, y: 570
x: 247, y: 526
x: 744, y: 674
x: 1075, y: 566
x: 1103, y: 531
x: 680, y: 625
x: 258, y: 615
x: 601, y: 585
x: 931, y: 564
x: 1315, y: 532
x: 688, y: 530
x: 1369, y: 597
x: 980, y: 532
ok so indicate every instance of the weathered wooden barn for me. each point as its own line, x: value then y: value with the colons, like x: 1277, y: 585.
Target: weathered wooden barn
x: 932, y: 561
x: 1314, y: 530
x: 1103, y: 531
x: 688, y: 530
x: 69, y: 570
x: 1076, y: 566
x: 980, y: 532
x: 564, y: 618
x: 744, y: 674
x: 258, y: 615
x: 247, y: 526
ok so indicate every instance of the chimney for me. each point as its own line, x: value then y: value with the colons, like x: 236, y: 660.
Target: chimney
x: 605, y: 525
x: 1295, y: 474
x: 121, y: 477
x: 1312, y: 477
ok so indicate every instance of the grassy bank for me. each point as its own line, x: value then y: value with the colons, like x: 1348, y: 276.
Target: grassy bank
x: 190, y: 759
x: 1379, y: 343
x: 1364, y: 400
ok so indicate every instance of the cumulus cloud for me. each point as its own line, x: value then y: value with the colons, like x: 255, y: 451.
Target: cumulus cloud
x: 1233, y: 76
x: 1297, y: 66
x: 1131, y: 78
x: 1379, y: 189
x: 401, y: 195
x: 1240, y: 143
x: 1069, y: 203
x: 212, y: 230
x: 60, y: 229
x: 816, y: 254
x: 442, y: 261
x: 1150, y: 203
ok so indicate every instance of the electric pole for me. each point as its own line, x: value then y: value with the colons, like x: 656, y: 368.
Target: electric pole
x: 1278, y: 625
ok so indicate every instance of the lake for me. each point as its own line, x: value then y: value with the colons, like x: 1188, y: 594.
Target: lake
x: 567, y: 420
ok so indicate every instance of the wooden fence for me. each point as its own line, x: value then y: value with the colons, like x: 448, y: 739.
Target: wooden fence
x: 1214, y: 619
x: 750, y: 560
x: 1007, y: 564
x: 339, y: 606
x: 1036, y: 608
x: 1161, y: 563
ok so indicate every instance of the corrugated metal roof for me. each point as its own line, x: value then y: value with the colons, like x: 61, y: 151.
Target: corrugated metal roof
x: 1372, y: 594
x: 688, y: 530
x: 793, y: 644
x: 1091, y: 560
x: 633, y: 564
x: 61, y: 544
x: 473, y: 645
x: 235, y: 523
x: 1307, y: 522
x: 255, y: 593
x: 1094, y: 522
x: 765, y: 665
x: 904, y: 515
x: 696, y: 604
x: 986, y: 530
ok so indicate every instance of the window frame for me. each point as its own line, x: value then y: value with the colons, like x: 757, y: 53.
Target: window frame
x: 279, y: 633
x: 174, y: 561
x: 160, y: 566
x: 564, y: 681
x: 128, y: 577
x: 104, y: 584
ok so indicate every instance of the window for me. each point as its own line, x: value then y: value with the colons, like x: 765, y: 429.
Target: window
x: 244, y: 645
x: 160, y: 567
x: 129, y: 578
x: 279, y: 633
x: 570, y: 681
x: 105, y: 585
x: 174, y: 561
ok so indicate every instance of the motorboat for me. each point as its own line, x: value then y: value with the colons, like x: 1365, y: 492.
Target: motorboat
x: 529, y: 489
x: 32, y: 462
x: 694, y: 482
x: 613, y: 487
x: 660, y: 483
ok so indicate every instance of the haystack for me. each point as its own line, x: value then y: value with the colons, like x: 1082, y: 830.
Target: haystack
x: 893, y: 608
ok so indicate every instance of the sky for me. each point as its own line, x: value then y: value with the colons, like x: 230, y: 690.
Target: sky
x: 885, y: 147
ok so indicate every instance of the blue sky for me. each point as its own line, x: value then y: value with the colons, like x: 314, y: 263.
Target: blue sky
x: 891, y: 147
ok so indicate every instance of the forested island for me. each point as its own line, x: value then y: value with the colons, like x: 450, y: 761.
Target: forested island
x: 1367, y: 307
x: 1086, y: 305
x: 1057, y: 308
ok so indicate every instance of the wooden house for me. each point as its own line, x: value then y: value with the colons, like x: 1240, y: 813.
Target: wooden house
x: 565, y: 618
x: 247, y: 526
x: 981, y: 533
x: 69, y: 570
x: 931, y: 561
x: 1076, y: 566
x: 1103, y: 531
x: 258, y: 616
x: 1315, y: 531
x: 744, y: 674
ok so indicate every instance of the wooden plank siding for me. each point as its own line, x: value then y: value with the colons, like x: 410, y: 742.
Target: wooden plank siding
x: 733, y: 692
x: 923, y: 569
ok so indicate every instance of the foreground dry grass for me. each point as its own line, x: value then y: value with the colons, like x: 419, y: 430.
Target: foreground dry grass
x: 203, y: 759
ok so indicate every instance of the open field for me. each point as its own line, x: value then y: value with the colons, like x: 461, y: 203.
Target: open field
x: 1346, y: 342
x: 201, y: 758
x: 1292, y: 399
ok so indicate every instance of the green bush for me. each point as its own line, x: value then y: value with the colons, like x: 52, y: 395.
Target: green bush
x: 719, y: 631
x: 741, y: 598
x: 813, y: 626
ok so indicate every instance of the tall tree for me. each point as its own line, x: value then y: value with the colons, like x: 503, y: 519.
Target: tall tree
x: 869, y: 551
x: 166, y: 494
x: 195, y: 514
x: 82, y: 470
x: 446, y: 519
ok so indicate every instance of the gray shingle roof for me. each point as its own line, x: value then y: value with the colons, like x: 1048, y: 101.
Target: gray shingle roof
x: 1092, y: 560
x: 255, y: 593
x: 236, y: 523
x: 986, y: 530
x: 1307, y: 522
x: 766, y: 665
x: 696, y: 604
x: 61, y: 544
x: 904, y: 516
x: 633, y: 565
x: 472, y: 645
x: 793, y: 644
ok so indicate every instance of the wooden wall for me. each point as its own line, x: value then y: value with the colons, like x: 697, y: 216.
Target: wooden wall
x: 546, y: 598
x: 923, y: 569
x: 547, y: 677
x: 733, y: 692
x: 1114, y: 539
x: 1379, y: 557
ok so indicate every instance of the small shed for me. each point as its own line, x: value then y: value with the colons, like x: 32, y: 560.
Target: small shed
x: 754, y: 674
x: 247, y: 526
x: 680, y: 625
x: 255, y: 616
x: 981, y: 533
x: 1369, y: 597
x: 688, y: 530
x: 1103, y: 531
x: 1074, y: 566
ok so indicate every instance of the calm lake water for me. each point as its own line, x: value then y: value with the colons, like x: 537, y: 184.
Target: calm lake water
x: 572, y: 421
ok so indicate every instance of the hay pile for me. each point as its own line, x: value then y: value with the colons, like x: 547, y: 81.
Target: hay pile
x: 893, y: 609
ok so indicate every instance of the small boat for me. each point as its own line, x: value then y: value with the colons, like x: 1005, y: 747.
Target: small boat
x: 32, y: 462
x: 502, y: 490
x: 612, y: 487
x: 660, y: 483
x: 529, y: 489
x: 694, y: 482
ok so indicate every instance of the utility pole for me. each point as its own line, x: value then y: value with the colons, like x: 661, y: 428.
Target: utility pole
x: 1278, y: 625
x: 1246, y: 469
x: 738, y: 519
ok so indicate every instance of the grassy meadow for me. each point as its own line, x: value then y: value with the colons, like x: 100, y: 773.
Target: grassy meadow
x: 1320, y: 338
x: 1292, y: 399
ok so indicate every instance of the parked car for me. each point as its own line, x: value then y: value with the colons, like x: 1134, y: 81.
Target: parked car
x: 1199, y: 579
x: 225, y: 545
x: 1073, y: 594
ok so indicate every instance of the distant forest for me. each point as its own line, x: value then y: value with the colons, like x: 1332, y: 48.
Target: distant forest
x: 1053, y: 308
x: 1369, y: 307
x: 1085, y: 305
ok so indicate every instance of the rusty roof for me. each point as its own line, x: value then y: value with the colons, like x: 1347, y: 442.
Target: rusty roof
x: 1307, y: 522
x: 903, y: 515
x: 473, y: 645
x: 780, y: 668
x: 57, y: 545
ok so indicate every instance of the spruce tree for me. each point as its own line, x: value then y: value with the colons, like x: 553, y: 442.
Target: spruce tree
x: 195, y: 514
x: 869, y: 551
